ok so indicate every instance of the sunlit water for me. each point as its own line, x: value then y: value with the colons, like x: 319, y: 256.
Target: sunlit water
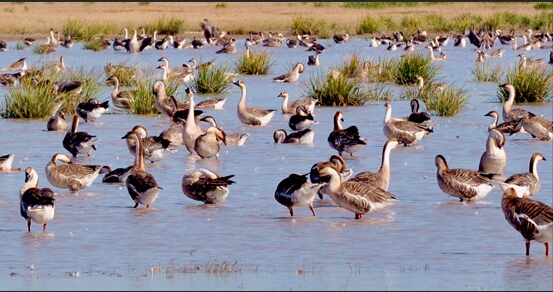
x: 425, y: 241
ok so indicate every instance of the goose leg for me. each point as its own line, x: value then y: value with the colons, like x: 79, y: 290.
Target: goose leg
x: 528, y: 247
x: 546, y: 248
x: 29, y: 224
x: 291, y: 211
x: 44, y: 227
x: 136, y: 205
x: 312, y: 210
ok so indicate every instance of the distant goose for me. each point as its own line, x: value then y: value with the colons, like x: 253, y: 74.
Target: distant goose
x: 198, y: 66
x: 316, y: 47
x: 11, y: 79
x: 163, y: 103
x: 231, y: 139
x: 465, y: 184
x: 207, y: 145
x: 494, y: 159
x: 526, y: 184
x: 184, y: 73
x: 505, y: 39
x: 133, y: 46
x: 505, y: 128
x: 497, y: 53
x: 313, y: 60
x: 78, y: 142
x: 340, y: 38
x: 250, y: 115
x: 3, y: 46
x: 404, y: 131
x: 191, y: 129
x: 292, y: 43
x: 381, y: 178
x: 196, y: 44
x: 290, y: 108
x: 229, y: 48
x: 539, y: 127
x: 118, y: 175
x: 509, y: 113
x: 141, y: 185
x: 57, y: 120
x: 212, y: 103
x: 532, y: 219
x: 70, y: 175
x: 299, y: 137
x: 19, y: 65
x: 162, y: 44
x: 440, y: 57
x: 295, y: 191
x: 68, y: 41
x: 6, y: 163
x: 481, y: 56
x: 29, y: 41
x: 206, y: 186
x: 292, y: 75
x: 92, y: 109
x: 155, y: 148
x: 120, y: 98
x: 302, y: 120
x: 345, y: 140
x: 36, y: 204
x: 335, y: 161
x: 417, y: 116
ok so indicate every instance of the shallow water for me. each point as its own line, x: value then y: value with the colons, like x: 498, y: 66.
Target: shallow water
x: 425, y: 241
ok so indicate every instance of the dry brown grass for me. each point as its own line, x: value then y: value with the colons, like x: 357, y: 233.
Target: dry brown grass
x: 35, y: 19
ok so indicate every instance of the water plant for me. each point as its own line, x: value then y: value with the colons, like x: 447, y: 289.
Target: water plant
x: 483, y: 72
x: 40, y: 49
x: 20, y: 46
x: 377, y: 91
x: 307, y: 25
x: 254, y: 63
x: 95, y: 45
x: 444, y: 102
x: 405, y: 69
x: 82, y: 31
x: 29, y: 101
x: 213, y: 79
x: 124, y: 72
x: 143, y: 101
x: 532, y: 84
x: 167, y: 26
x: 335, y: 90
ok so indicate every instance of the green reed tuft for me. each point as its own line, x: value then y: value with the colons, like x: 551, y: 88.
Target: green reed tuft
x: 483, y: 72
x: 213, y: 79
x: 335, y: 90
x: 257, y: 63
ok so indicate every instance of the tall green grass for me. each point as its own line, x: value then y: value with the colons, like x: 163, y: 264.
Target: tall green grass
x: 213, y: 79
x: 82, y: 31
x: 124, y: 72
x: 483, y: 72
x: 257, y: 63
x: 308, y: 25
x: 167, y: 26
x: 446, y: 102
x: 29, y: 101
x: 143, y: 102
x: 403, y: 70
x: 532, y: 84
x: 335, y: 91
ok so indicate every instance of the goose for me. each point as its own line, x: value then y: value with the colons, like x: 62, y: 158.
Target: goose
x: 203, y: 65
x: 526, y: 184
x: 505, y: 128
x: 78, y: 142
x: 133, y: 46
x: 191, y: 129
x: 373, y: 43
x: 141, y: 185
x: 509, y: 113
x: 185, y: 73
x: 147, y: 42
x: 292, y: 107
x: 526, y: 62
x: 162, y: 44
x: 316, y: 47
x: 3, y: 46
x: 92, y: 109
x: 251, y: 115
x: 231, y: 139
x: 177, y: 42
x: 36, y: 204
x: 505, y: 39
x: 292, y: 43
x: 340, y: 38
x: 68, y: 41
x: 54, y: 42
x: 73, y: 86
x: 313, y: 60
x: 118, y: 44
x: 404, y: 131
x: 229, y: 48
x: 550, y: 58
x: 57, y: 122
x: 295, y: 191
x: 434, y: 86
x: 120, y: 98
x: 524, y: 47
x: 292, y: 75
x: 6, y: 163
x: 494, y: 159
x: 210, y: 31
x: 208, y: 145
x: 345, y: 140
x: 299, y: 137
x: 19, y: 65
x: 531, y: 218
x: 60, y: 67
x: 173, y: 133
x: 465, y: 184
x: 381, y: 178
x: 335, y: 161
x: 72, y: 176
x: 118, y: 175
x: 460, y: 41
x: 28, y: 41
x: 163, y: 103
x: 301, y: 120
x: 497, y: 53
x: 155, y: 148
x: 440, y: 57
x: 392, y: 47
x: 481, y: 56
x: 212, y: 103
x: 539, y: 127
x: 206, y: 186
x: 416, y: 116
x: 11, y: 79
x: 305, y: 40
x: 196, y: 44
x: 181, y: 112
x: 359, y: 198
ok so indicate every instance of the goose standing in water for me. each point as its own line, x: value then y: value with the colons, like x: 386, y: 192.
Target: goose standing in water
x: 296, y: 191
x: 299, y: 137
x: 291, y: 108
x: 337, y: 162
x: 345, y: 140
x: 525, y: 184
x: 292, y: 75
x: 36, y: 204
x: 120, y: 98
x: 78, y: 142
x: 251, y: 115
x: 133, y: 46
x: 185, y: 73
x: 440, y: 57
x: 57, y: 120
x: 191, y: 129
x: 6, y: 163
x: 539, y: 127
x: 494, y: 159
x: 359, y: 198
x: 465, y: 184
x: 505, y: 128
x: 212, y: 103
x: 208, y: 145
x: 380, y: 179
x: 118, y: 175
x: 302, y: 120
x: 19, y: 65
x: 141, y: 185
x: 509, y: 113
x: 404, y: 131
x: 163, y: 103
x: 532, y: 219
x: 206, y: 186
x: 155, y: 148
x: 70, y: 175
x: 92, y: 109
x: 231, y: 139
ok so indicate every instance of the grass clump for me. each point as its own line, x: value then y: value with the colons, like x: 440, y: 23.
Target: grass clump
x: 20, y: 46
x: 543, y: 5
x: 256, y: 63
x: 335, y: 90
x: 81, y: 31
x: 444, y: 102
x: 532, y: 84
x: 125, y: 73
x: 378, y: 91
x: 405, y: 69
x: 29, y: 101
x: 465, y: 21
x: 213, y: 79
x: 41, y: 49
x: 167, y: 26
x: 307, y: 25
x: 486, y: 72
x: 143, y: 101
x: 95, y: 45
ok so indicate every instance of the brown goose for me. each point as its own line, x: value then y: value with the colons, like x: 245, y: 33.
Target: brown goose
x: 208, y: 145
x: 36, y: 204
x: 251, y: 115
x: 291, y: 108
x: 231, y: 139
x: 381, y: 178
x: 404, y: 131
x: 118, y: 175
x: 337, y: 162
x: 120, y: 98
x: 292, y: 75
x: 155, y: 148
x: 509, y: 113
x: 505, y: 128
x: 78, y: 142
x: 212, y: 103
x: 539, y: 127
x: 206, y: 186
x: 526, y: 184
x: 70, y: 175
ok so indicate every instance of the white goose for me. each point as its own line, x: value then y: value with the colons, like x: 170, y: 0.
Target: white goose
x: 494, y: 159
x: 36, y: 204
x: 70, y: 175
x: 404, y: 131
x: 525, y: 184
x: 251, y: 115
x: 206, y: 186
x: 191, y: 129
x: 381, y: 178
x: 296, y: 191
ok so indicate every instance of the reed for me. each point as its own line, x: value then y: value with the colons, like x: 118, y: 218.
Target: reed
x: 532, y: 84
x: 41, y: 49
x: 213, y: 79
x: 95, y: 45
x: 83, y: 31
x: 125, y: 73
x: 307, y: 25
x: 377, y: 91
x: 405, y: 68
x: 335, y: 90
x: 368, y: 24
x: 29, y: 101
x: 483, y: 72
x: 20, y: 46
x: 143, y: 102
x: 448, y: 101
x: 167, y: 26
x: 257, y: 63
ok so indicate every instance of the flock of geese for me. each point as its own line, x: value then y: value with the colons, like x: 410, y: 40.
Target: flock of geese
x: 361, y: 193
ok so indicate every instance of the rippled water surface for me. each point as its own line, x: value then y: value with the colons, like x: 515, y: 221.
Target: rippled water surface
x: 425, y: 241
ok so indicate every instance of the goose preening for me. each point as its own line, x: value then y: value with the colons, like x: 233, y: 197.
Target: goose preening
x: 295, y: 191
x: 302, y: 120
x: 57, y: 121
x: 212, y: 103
x: 36, y: 204
x: 509, y: 113
x: 174, y: 133
x: 251, y: 115
x: 206, y: 186
x: 231, y: 139
x: 465, y: 184
x: 78, y: 142
x: 207, y: 145
x: 292, y: 75
x: 70, y: 175
x: 417, y: 116
x: 345, y: 140
x: 92, y: 109
x: 337, y: 162
x: 381, y: 178
x: 155, y: 148
x: 298, y: 137
x: 357, y: 197
x: 6, y: 162
x: 525, y: 184
x: 539, y: 127
x: 67, y: 41
x: 141, y: 185
x: 118, y: 175
x: 505, y: 128
x: 494, y: 159
x: 291, y: 108
x: 404, y: 131
x: 120, y: 98
x: 19, y: 65
x: 531, y: 218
